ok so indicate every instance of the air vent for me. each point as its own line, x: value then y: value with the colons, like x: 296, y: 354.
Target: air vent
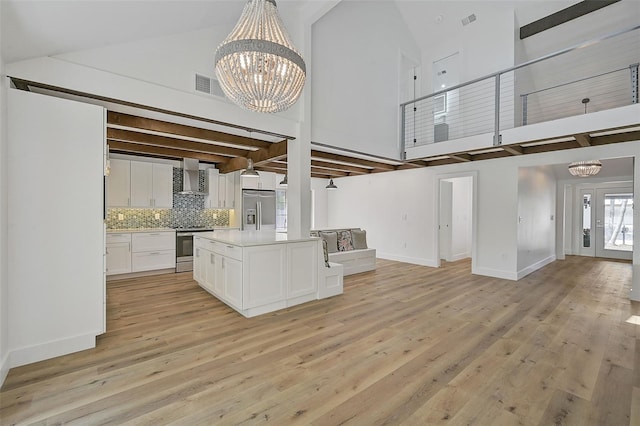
x: 208, y: 85
x: 469, y: 19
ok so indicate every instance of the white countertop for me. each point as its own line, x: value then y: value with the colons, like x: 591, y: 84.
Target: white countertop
x: 251, y: 238
x: 133, y: 230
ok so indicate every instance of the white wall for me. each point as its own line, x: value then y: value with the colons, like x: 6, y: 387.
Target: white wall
x: 536, y: 218
x: 398, y: 208
x: 4, y: 307
x: 320, y: 212
x: 357, y: 49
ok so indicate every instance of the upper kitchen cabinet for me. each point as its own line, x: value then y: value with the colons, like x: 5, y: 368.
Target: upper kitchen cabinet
x: 140, y: 184
x: 212, y: 200
x: 266, y: 180
x: 119, y: 183
x: 227, y: 191
x: 151, y: 185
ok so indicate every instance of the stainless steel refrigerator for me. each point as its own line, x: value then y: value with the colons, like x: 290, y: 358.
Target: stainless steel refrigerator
x: 258, y: 209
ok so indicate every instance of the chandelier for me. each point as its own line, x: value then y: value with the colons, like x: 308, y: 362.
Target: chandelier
x: 257, y: 66
x: 585, y: 168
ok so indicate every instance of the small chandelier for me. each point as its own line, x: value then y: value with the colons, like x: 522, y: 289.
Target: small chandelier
x: 331, y: 185
x: 585, y: 168
x: 257, y: 66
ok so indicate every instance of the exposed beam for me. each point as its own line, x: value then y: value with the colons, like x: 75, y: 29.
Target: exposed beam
x: 275, y: 151
x: 442, y: 162
x: 164, y: 152
x: 351, y: 160
x: 170, y: 142
x: 583, y: 139
x: 332, y: 173
x: 550, y: 147
x: 127, y: 120
x: 615, y: 138
x: 513, y: 149
x: 463, y: 157
x: 491, y: 155
x: 565, y: 15
x: 342, y: 167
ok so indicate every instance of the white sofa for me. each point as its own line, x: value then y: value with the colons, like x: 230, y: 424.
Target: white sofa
x: 353, y: 261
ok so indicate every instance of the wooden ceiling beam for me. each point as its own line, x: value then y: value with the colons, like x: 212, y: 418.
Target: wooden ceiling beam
x: 513, y: 149
x: 126, y: 120
x: 170, y: 142
x: 559, y: 146
x: 118, y: 146
x: 461, y: 157
x: 491, y: 155
x: 583, y: 139
x: 615, y: 138
x: 352, y: 161
x: 332, y: 173
x: 341, y: 167
x: 275, y: 151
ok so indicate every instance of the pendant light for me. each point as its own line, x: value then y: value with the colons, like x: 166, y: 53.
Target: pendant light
x: 257, y: 66
x: 284, y: 181
x: 585, y: 168
x: 249, y: 172
x: 331, y: 185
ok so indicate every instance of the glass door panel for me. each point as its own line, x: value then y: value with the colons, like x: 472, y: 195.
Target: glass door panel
x: 614, y: 223
x: 586, y: 243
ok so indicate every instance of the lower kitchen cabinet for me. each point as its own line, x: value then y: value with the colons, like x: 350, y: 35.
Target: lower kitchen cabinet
x: 140, y: 251
x: 118, y: 249
x: 256, y: 279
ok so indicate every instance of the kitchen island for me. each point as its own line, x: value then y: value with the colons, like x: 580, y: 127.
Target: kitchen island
x: 255, y: 272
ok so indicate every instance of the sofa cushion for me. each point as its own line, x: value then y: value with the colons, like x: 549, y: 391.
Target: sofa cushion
x: 359, y: 238
x: 344, y: 241
x: 326, y: 253
x: 332, y: 241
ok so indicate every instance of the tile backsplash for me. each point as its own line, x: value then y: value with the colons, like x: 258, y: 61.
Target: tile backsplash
x: 188, y: 210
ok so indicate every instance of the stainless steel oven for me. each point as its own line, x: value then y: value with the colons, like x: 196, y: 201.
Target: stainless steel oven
x: 184, y: 247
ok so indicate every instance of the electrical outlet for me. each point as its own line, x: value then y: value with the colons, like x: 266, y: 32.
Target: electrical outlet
x: 157, y: 216
x: 120, y: 216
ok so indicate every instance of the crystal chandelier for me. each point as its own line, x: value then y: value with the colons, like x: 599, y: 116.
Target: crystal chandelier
x: 257, y: 66
x: 585, y: 168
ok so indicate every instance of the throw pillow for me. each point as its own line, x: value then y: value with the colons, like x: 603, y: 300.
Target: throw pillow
x: 326, y: 254
x: 359, y: 239
x: 344, y: 241
x: 332, y: 241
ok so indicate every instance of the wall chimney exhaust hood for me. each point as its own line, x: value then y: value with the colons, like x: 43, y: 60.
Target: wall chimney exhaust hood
x: 190, y: 177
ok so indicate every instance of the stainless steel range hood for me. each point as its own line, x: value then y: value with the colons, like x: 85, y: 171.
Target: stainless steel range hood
x: 191, y: 178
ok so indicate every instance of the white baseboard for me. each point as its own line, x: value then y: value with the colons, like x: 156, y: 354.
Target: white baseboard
x: 460, y: 256
x: 532, y: 268
x: 495, y: 273
x: 4, y: 368
x: 52, y: 349
x: 415, y: 260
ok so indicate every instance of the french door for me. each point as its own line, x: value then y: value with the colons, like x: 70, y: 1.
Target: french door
x: 607, y: 222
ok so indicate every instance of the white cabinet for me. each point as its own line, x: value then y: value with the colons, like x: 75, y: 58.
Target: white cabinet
x: 227, y: 191
x: 151, y: 185
x: 153, y: 251
x: 256, y: 279
x: 267, y: 180
x: 119, y: 183
x: 118, y: 247
x: 212, y: 200
x: 140, y: 184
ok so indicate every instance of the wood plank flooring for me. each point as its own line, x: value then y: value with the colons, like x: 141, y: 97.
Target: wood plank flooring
x: 404, y: 344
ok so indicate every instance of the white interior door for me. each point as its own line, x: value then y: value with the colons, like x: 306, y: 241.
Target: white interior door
x: 446, y: 215
x: 614, y: 223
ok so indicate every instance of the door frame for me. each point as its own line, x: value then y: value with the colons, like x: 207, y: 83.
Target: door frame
x: 474, y: 214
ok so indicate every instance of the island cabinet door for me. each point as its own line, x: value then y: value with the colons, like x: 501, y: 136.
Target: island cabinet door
x: 302, y: 277
x: 264, y: 275
x: 218, y: 277
x: 210, y: 270
x: 232, y: 278
x: 198, y: 265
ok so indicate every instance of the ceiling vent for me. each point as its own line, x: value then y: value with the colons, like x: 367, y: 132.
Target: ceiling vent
x: 209, y: 86
x: 469, y: 19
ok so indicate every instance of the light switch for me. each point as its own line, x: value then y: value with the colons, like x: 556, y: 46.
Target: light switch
x: 120, y: 216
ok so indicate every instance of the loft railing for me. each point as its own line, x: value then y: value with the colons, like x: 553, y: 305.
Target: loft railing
x: 593, y: 76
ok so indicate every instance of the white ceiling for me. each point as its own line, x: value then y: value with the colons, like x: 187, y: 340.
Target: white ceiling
x: 50, y: 27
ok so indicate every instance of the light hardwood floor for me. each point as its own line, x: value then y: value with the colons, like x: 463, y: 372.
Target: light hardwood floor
x: 403, y: 345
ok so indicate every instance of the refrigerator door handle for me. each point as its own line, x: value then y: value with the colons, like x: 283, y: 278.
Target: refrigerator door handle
x: 259, y: 215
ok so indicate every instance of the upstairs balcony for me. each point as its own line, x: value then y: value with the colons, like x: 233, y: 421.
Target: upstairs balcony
x: 585, y: 95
